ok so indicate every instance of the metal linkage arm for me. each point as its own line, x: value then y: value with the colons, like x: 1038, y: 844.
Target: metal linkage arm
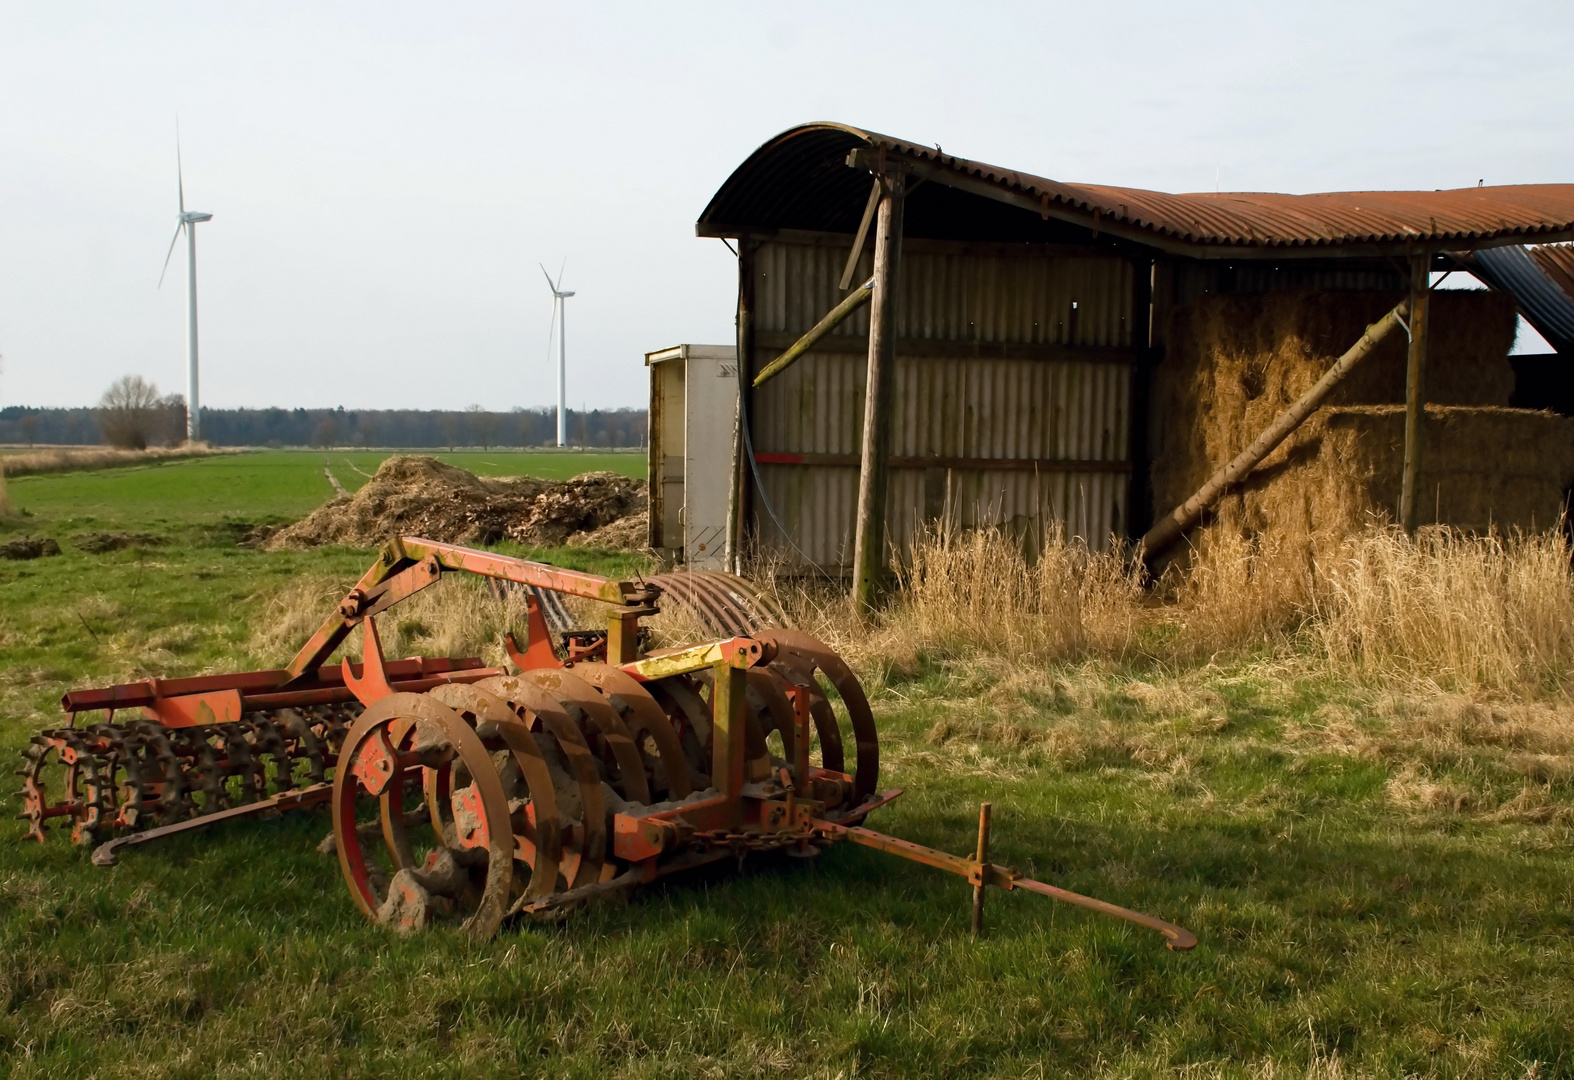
x: 981, y: 874
x: 409, y: 564
x: 525, y: 572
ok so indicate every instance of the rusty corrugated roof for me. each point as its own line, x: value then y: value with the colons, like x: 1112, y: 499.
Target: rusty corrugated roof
x: 799, y: 180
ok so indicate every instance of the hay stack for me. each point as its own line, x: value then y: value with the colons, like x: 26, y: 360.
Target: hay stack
x: 1482, y: 467
x: 1234, y: 362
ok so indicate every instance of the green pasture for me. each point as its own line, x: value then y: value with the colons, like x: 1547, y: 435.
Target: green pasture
x: 1352, y: 924
x: 263, y: 487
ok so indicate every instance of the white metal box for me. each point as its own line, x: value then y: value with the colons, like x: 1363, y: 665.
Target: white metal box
x: 693, y: 407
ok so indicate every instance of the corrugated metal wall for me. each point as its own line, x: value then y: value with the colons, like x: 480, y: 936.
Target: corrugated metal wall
x: 1012, y: 397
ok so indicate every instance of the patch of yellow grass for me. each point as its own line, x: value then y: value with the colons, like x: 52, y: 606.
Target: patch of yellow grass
x: 35, y: 462
x: 1445, y: 610
x: 1450, y: 608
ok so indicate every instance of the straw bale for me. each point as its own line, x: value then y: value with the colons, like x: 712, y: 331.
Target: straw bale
x: 1482, y: 468
x: 1234, y: 362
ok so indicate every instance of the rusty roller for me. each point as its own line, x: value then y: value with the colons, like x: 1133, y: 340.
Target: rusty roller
x: 470, y: 794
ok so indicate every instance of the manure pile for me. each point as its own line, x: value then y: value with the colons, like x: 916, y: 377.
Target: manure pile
x: 421, y: 496
x: 1234, y: 362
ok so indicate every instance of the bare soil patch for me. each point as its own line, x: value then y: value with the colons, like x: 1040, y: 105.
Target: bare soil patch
x: 28, y: 547
x: 97, y: 543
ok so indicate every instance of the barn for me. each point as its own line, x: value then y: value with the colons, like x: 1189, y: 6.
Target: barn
x: 1048, y: 355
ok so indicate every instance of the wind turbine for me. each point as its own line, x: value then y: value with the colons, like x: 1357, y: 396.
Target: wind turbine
x: 560, y: 313
x: 188, y: 221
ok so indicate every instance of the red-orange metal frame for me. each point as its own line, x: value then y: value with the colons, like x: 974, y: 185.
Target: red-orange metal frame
x: 778, y: 814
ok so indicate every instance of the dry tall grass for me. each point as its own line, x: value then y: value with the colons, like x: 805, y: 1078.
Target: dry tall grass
x: 1445, y: 610
x: 35, y: 462
x: 974, y: 593
x: 1450, y: 608
x: 5, y: 500
x: 458, y: 616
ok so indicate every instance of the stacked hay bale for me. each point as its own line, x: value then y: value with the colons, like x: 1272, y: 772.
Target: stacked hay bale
x: 1234, y: 362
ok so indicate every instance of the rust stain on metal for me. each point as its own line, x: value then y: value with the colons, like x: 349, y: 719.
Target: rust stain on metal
x: 756, y: 196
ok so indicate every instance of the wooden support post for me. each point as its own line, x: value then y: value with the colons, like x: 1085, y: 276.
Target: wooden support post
x: 983, y: 857
x: 869, y: 539
x: 1415, y: 389
x: 1139, y: 495
x: 738, y: 497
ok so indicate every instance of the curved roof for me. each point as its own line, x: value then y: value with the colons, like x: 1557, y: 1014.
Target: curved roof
x: 800, y: 180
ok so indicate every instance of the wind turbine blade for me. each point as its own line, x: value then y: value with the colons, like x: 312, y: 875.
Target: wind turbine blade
x: 558, y: 287
x: 550, y: 286
x: 170, y: 253
x: 180, y: 179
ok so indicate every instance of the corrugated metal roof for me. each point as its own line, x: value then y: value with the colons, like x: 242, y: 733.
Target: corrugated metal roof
x: 800, y: 180
x: 1541, y: 280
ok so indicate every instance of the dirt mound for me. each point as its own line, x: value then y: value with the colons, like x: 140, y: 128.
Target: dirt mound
x: 27, y: 547
x: 97, y: 543
x: 631, y: 533
x: 421, y: 496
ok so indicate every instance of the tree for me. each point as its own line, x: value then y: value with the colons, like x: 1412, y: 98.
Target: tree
x: 325, y: 433
x: 172, y: 419
x: 129, y: 412
x: 483, y: 425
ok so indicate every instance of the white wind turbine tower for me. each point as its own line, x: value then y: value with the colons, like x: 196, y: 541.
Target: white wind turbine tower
x: 188, y: 220
x: 559, y: 313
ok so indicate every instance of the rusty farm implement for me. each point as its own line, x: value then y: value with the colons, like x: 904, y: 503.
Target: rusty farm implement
x: 476, y: 793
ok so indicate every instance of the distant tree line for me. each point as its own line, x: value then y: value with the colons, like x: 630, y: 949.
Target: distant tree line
x: 133, y: 414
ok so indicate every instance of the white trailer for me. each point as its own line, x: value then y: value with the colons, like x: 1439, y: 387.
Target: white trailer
x: 693, y: 407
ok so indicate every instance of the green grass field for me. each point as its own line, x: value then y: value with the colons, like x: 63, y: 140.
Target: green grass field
x: 1382, y: 887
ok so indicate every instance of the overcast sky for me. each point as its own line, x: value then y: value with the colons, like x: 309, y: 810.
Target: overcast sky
x: 386, y: 177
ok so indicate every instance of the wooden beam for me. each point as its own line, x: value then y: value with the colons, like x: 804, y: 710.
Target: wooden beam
x: 833, y: 318
x: 958, y: 464
x: 958, y: 349
x: 1174, y: 524
x: 738, y: 497
x: 858, y: 238
x: 1139, y: 496
x: 1415, y: 390
x: 869, y: 537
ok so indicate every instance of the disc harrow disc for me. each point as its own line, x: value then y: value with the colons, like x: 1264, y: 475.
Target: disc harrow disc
x: 799, y: 653
x: 467, y: 867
